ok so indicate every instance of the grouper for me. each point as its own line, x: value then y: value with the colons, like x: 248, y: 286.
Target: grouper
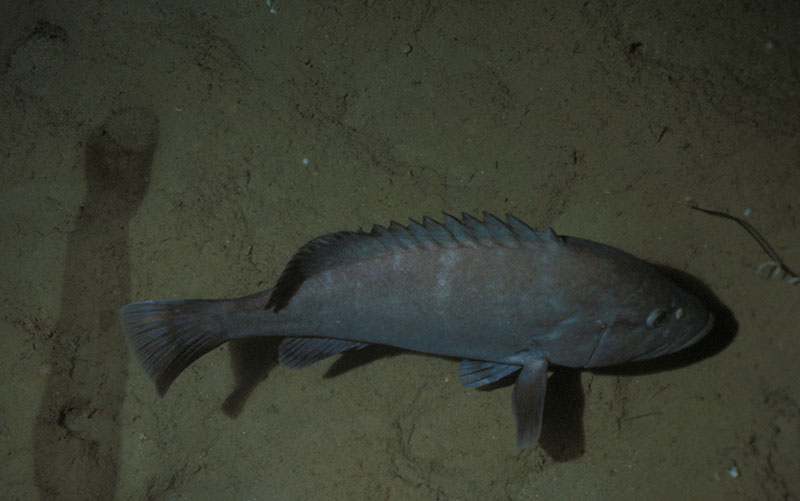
x: 494, y: 293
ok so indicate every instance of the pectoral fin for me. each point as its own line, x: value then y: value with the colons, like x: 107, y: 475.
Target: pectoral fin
x: 527, y: 401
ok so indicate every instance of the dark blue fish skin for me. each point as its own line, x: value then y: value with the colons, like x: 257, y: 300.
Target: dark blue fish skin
x: 557, y: 300
x: 492, y: 291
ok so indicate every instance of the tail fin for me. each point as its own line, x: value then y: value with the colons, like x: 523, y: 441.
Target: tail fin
x: 166, y: 336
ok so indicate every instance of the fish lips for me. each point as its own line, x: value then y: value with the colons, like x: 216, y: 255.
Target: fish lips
x: 702, y: 333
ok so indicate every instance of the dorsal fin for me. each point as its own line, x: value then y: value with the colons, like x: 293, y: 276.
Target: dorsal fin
x: 335, y: 249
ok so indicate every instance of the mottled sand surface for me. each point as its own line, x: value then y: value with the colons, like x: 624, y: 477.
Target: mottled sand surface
x: 161, y: 150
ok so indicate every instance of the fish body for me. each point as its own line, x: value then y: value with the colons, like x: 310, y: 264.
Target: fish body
x: 497, y: 294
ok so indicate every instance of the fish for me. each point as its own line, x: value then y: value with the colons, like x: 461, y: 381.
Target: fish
x: 496, y: 294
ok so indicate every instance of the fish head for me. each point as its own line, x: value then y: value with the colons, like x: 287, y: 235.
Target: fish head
x: 655, y: 318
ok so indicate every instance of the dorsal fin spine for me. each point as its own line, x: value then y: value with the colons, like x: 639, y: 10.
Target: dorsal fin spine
x: 334, y: 249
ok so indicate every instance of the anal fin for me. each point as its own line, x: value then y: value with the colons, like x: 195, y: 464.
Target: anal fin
x: 300, y: 352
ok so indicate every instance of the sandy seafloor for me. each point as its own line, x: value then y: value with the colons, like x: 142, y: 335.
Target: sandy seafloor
x: 155, y: 150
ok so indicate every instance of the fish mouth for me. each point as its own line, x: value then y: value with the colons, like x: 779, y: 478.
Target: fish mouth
x: 702, y: 333
x: 666, y: 349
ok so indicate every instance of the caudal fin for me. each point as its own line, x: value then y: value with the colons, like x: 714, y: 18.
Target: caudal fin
x: 166, y: 336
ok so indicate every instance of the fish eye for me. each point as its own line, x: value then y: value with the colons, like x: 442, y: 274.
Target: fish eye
x: 679, y: 313
x: 657, y: 318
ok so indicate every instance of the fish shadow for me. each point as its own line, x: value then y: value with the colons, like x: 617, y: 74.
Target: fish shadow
x: 562, y: 430
x: 252, y: 359
x: 563, y: 437
x: 354, y: 359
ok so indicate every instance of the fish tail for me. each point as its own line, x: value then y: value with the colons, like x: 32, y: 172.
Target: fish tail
x: 166, y: 336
